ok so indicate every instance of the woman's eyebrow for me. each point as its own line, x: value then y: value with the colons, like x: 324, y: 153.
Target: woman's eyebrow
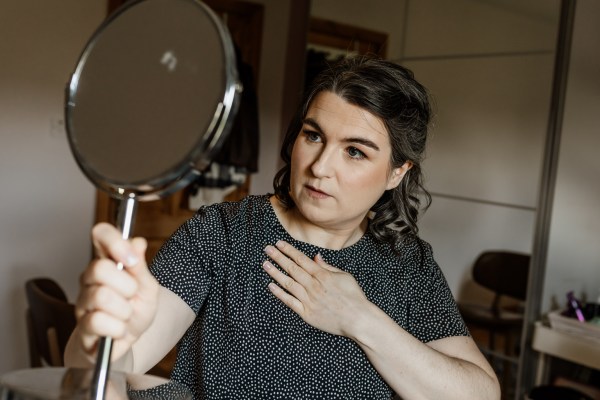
x: 363, y: 141
x: 314, y: 124
x: 356, y: 140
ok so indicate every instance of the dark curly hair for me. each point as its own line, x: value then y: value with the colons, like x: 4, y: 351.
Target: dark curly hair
x: 389, y: 91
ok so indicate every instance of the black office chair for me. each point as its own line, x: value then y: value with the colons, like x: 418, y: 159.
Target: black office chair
x: 50, y: 321
x: 505, y: 273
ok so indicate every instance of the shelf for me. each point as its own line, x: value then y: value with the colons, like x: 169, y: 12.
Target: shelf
x: 577, y: 349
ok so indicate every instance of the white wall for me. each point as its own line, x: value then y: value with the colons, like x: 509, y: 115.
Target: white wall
x: 488, y: 66
x: 574, y: 247
x: 46, y: 205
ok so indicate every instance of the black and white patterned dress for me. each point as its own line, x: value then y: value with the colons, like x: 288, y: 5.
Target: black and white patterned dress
x: 246, y: 344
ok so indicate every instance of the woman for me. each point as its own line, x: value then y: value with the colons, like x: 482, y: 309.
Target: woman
x: 320, y: 291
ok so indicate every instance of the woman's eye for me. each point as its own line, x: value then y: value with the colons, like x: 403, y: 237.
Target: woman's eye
x: 356, y: 153
x: 312, y: 136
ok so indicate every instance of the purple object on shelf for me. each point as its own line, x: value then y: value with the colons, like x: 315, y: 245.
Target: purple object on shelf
x: 575, y: 307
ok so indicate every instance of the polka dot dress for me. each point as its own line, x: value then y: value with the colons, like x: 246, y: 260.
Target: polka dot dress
x: 245, y: 343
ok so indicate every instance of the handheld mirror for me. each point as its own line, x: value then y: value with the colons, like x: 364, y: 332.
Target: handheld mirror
x: 149, y: 103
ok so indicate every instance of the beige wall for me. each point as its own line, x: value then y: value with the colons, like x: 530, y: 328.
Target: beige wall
x: 488, y: 65
x: 46, y: 205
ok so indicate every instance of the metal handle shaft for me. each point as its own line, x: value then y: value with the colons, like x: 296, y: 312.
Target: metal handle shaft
x: 124, y: 223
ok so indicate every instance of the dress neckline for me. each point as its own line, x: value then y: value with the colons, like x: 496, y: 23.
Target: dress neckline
x: 282, y: 234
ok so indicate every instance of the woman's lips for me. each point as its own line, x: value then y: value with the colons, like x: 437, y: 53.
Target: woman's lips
x: 316, y: 193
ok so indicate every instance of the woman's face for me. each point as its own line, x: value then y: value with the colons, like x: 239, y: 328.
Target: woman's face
x: 340, y: 163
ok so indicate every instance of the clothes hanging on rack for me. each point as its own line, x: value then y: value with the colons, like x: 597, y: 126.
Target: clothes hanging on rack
x: 241, y: 147
x: 239, y: 153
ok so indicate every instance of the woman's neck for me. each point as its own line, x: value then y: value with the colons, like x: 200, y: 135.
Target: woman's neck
x: 334, y: 238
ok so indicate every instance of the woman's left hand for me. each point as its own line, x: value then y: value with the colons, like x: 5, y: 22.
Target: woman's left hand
x: 324, y: 296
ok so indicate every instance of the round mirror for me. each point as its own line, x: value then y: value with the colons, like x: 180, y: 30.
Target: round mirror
x: 151, y: 97
x: 151, y: 100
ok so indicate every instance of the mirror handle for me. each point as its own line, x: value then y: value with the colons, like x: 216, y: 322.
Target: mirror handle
x: 125, y: 218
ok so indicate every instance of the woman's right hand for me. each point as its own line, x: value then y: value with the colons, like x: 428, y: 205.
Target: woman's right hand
x: 120, y: 304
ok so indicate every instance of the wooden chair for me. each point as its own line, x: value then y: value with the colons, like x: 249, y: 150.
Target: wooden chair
x: 50, y: 321
x: 505, y: 273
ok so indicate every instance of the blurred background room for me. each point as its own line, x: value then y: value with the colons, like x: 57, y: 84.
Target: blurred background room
x: 511, y: 165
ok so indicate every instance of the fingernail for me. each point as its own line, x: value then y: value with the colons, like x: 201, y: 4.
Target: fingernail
x: 319, y: 257
x: 131, y: 260
x: 267, y: 265
x: 280, y: 244
x: 269, y: 249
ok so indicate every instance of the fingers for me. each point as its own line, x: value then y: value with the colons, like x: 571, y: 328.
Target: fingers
x: 104, y: 305
x: 140, y: 269
x: 291, y: 252
x: 319, y: 260
x: 287, y: 299
x: 101, y: 299
x: 324, y: 296
x: 303, y: 273
x: 109, y: 320
x: 298, y: 265
x: 292, y: 261
x: 286, y: 282
x: 102, y: 311
x: 96, y: 325
x: 103, y: 272
x: 109, y: 243
x: 104, y: 289
x: 130, y: 253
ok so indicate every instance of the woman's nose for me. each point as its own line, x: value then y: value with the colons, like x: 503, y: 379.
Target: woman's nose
x: 323, y: 165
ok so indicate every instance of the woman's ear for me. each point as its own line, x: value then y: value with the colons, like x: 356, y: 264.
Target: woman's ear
x: 398, y: 174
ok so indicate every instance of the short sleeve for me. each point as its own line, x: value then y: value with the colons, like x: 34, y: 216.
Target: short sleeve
x: 434, y: 314
x: 184, y: 264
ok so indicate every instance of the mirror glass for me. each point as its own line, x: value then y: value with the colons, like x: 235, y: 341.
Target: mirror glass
x: 150, y: 96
